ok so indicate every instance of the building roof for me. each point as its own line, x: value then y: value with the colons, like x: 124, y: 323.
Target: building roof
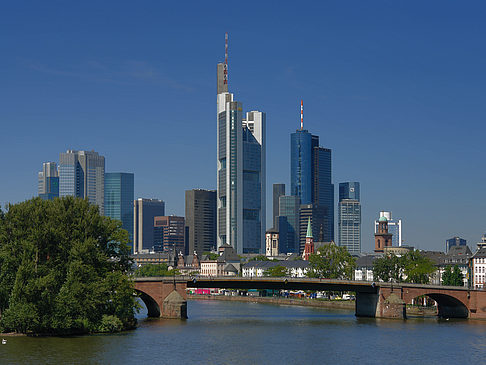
x: 382, y: 219
x: 272, y: 230
x: 366, y: 261
x: 309, y: 229
x: 481, y: 253
x: 230, y: 268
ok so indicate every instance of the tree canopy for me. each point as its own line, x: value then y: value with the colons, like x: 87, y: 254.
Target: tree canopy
x: 155, y: 270
x: 63, y: 269
x: 453, y: 277
x: 277, y: 271
x: 331, y: 262
x: 388, y: 268
x: 413, y: 267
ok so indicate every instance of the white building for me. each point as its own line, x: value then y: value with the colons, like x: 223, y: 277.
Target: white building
x: 296, y: 268
x: 478, y: 270
x: 394, y: 227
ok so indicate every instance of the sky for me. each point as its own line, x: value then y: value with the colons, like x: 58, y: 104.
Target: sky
x: 395, y: 88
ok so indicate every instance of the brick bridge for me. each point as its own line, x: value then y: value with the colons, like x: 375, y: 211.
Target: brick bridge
x: 166, y: 296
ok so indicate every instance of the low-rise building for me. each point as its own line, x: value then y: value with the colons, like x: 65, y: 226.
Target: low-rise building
x: 296, y: 268
x: 478, y: 268
x: 364, y: 268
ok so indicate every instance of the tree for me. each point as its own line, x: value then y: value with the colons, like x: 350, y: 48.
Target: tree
x: 259, y: 258
x: 63, y: 269
x: 388, y: 268
x: 277, y: 271
x: 332, y: 262
x: 155, y: 270
x: 453, y: 277
x: 211, y: 255
x: 417, y: 268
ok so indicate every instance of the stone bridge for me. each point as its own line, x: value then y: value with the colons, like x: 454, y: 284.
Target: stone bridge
x: 166, y: 296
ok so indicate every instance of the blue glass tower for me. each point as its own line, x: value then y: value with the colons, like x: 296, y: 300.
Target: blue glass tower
x: 301, y: 165
x: 349, y: 190
x: 119, y: 195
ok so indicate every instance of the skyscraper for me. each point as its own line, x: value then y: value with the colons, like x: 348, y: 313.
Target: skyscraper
x: 200, y: 221
x: 82, y: 174
x: 119, y: 195
x: 394, y: 227
x: 169, y: 233
x: 48, y: 181
x: 240, y: 171
x: 311, y: 179
x: 315, y: 214
x: 455, y: 241
x: 288, y: 224
x: 349, y: 217
x: 278, y: 191
x: 144, y: 212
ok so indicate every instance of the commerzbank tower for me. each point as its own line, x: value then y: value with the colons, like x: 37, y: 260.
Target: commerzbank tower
x: 241, y: 170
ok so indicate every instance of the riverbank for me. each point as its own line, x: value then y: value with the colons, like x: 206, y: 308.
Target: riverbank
x: 330, y: 304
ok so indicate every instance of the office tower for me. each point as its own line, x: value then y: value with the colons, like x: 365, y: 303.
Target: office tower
x: 394, y: 227
x: 382, y: 237
x: 169, y: 233
x: 119, y: 195
x: 316, y: 215
x: 48, y: 181
x: 278, y: 191
x: 455, y: 241
x: 240, y: 171
x: 82, y: 174
x: 310, y: 177
x: 200, y: 221
x: 349, y: 217
x: 144, y: 212
x: 288, y: 224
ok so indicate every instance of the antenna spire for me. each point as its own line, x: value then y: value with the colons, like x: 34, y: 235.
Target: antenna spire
x: 225, y: 58
x: 301, y: 114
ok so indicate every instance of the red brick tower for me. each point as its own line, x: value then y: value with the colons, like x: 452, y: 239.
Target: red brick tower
x: 382, y: 237
x: 309, y: 242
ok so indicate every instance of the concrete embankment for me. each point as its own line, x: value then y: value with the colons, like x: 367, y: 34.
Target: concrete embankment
x: 331, y: 304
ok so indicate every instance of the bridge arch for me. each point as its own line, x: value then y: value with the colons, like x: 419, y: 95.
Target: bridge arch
x: 449, y: 305
x: 153, y: 308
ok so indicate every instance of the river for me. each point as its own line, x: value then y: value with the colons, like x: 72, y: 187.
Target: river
x: 219, y: 332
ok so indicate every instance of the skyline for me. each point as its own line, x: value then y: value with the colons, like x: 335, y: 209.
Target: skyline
x: 375, y: 72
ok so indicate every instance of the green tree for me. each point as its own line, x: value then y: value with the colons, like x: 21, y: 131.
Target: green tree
x: 259, y: 258
x: 211, y: 255
x: 277, y: 271
x: 332, y: 262
x: 63, y: 268
x: 453, y: 277
x: 388, y: 268
x: 417, y: 268
x: 155, y: 270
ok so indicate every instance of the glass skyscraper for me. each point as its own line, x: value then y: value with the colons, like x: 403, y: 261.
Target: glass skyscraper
x: 349, y: 217
x: 82, y: 174
x: 301, y: 166
x: 48, y: 181
x: 119, y: 195
x: 288, y: 223
x: 278, y: 191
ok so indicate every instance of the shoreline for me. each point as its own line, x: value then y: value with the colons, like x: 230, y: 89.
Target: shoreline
x: 343, y: 305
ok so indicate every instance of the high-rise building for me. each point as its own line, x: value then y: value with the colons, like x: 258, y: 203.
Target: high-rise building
x: 82, y: 174
x: 311, y: 177
x: 278, y: 191
x: 349, y: 217
x: 288, y: 224
x: 240, y: 171
x: 200, y: 221
x: 48, y: 181
x: 394, y: 227
x: 119, y: 195
x: 169, y: 233
x: 455, y: 241
x: 144, y: 212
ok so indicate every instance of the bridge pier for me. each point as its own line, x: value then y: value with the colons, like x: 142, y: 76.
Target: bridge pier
x: 383, y: 304
x: 164, y: 298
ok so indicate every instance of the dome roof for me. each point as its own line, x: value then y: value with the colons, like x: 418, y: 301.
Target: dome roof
x: 383, y: 219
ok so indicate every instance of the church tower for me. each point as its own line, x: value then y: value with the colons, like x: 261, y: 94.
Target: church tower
x: 309, y: 242
x: 382, y: 237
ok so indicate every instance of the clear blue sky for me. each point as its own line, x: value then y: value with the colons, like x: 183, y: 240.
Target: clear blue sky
x: 395, y: 88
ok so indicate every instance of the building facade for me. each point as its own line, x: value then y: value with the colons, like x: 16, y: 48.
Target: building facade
x: 82, y: 174
x: 394, y: 227
x: 349, y: 217
x: 288, y: 224
x: 272, y: 242
x: 169, y: 233
x: 383, y: 238
x: 240, y: 172
x: 48, y: 181
x: 119, y: 195
x: 200, y: 234
x: 454, y: 241
x: 144, y: 212
x: 278, y: 191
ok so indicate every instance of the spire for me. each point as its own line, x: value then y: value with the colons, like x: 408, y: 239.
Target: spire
x: 309, y: 229
x: 301, y: 114
x: 226, y: 58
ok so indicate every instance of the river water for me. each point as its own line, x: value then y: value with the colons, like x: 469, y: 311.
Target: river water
x: 219, y: 332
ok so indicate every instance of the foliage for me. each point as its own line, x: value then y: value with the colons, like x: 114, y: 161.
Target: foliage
x: 110, y: 324
x: 453, y: 277
x: 211, y: 255
x: 63, y: 267
x: 417, y: 268
x: 259, y: 258
x: 155, y: 270
x: 388, y: 268
x: 277, y: 271
x: 332, y: 262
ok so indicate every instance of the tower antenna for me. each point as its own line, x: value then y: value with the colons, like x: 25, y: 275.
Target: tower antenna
x: 226, y: 58
x: 301, y: 114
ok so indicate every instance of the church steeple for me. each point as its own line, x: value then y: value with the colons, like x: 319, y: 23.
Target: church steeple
x: 309, y: 229
x: 309, y: 242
